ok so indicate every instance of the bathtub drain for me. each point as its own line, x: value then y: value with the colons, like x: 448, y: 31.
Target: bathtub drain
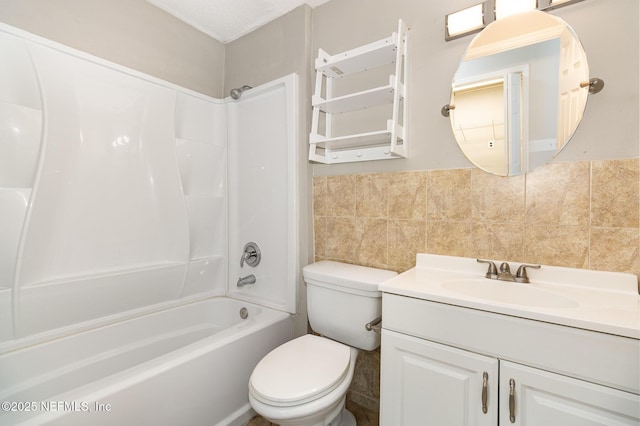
x: 244, y: 313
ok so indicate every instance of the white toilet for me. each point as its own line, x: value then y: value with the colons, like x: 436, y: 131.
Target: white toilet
x: 305, y: 381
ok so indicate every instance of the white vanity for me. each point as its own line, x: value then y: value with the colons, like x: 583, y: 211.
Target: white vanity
x: 461, y: 349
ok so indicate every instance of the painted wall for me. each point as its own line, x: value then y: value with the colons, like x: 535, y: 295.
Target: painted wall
x: 133, y: 33
x: 612, y: 49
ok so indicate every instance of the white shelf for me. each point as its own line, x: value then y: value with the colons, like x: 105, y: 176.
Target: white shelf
x: 374, y: 145
x: 366, y: 146
x: 368, y: 98
x: 359, y: 59
x: 352, y: 141
x: 371, y: 153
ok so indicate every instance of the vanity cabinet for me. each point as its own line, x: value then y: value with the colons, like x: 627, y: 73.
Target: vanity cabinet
x: 448, y: 365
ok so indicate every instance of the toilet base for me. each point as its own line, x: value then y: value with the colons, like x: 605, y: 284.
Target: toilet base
x: 336, y: 416
x: 345, y: 418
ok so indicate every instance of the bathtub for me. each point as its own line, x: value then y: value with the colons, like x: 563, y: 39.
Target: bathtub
x: 187, y: 365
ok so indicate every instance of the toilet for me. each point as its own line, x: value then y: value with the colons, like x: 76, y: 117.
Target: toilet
x: 304, y: 382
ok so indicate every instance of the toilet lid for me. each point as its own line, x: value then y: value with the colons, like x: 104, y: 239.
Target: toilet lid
x: 299, y: 371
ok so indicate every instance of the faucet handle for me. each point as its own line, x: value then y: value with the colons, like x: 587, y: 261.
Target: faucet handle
x: 521, y: 273
x: 250, y: 255
x: 492, y: 272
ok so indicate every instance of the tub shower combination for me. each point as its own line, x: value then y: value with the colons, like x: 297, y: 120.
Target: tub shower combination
x: 125, y: 204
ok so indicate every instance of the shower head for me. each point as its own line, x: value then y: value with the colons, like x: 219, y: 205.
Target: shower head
x: 236, y: 93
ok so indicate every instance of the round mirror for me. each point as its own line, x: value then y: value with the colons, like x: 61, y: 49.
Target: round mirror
x: 519, y: 93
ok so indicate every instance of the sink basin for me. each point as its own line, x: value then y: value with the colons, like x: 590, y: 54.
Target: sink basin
x: 508, y: 292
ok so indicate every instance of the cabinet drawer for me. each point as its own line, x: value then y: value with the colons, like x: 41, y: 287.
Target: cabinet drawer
x: 598, y: 357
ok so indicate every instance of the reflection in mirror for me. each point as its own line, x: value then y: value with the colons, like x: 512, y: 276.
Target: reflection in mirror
x: 516, y: 97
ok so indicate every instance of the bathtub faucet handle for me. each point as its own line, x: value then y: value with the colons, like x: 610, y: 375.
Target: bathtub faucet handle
x: 251, y: 255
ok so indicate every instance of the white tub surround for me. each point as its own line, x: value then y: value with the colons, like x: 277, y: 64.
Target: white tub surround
x: 115, y: 194
x: 263, y: 181
x: 114, y: 187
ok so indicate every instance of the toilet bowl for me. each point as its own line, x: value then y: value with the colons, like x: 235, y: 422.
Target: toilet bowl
x: 304, y: 382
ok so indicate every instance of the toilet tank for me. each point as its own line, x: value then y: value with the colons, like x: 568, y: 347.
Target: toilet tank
x: 342, y: 299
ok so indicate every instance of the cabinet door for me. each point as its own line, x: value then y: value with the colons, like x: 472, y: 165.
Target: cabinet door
x: 543, y: 398
x: 425, y: 383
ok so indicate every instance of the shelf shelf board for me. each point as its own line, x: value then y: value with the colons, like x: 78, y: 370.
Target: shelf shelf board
x: 355, y: 101
x: 377, y: 137
x: 362, y: 58
x: 353, y: 154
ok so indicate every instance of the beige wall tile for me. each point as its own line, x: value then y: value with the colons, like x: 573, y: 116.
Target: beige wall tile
x: 372, y: 195
x: 406, y: 238
x: 341, y: 239
x: 470, y: 213
x: 558, y: 194
x: 320, y: 235
x: 341, y: 196
x: 371, y: 242
x: 615, y: 193
x: 615, y: 249
x: 449, y: 238
x: 366, y: 378
x: 407, y: 195
x: 557, y: 245
x: 503, y: 241
x: 449, y: 194
x: 496, y: 198
x: 320, y: 196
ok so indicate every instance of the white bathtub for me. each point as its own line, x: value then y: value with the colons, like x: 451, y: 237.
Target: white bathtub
x: 188, y: 365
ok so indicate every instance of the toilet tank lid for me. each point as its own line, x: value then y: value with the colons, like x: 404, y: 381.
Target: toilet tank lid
x: 346, y: 275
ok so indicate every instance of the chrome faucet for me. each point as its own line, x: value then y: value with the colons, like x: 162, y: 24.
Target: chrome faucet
x: 249, y: 279
x: 505, y: 272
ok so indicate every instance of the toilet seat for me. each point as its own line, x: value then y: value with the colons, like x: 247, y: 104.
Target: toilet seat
x: 299, y: 371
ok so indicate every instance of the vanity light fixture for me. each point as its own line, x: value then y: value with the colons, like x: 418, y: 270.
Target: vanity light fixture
x: 510, y: 7
x: 465, y: 21
x: 475, y: 18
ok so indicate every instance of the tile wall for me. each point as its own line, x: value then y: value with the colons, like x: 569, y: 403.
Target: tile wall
x: 575, y: 214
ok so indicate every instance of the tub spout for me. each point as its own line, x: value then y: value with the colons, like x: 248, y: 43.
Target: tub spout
x: 249, y: 279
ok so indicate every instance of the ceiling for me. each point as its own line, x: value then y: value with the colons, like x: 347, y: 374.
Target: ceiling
x: 227, y: 20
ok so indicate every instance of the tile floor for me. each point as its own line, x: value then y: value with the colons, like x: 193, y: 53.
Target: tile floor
x: 364, y: 416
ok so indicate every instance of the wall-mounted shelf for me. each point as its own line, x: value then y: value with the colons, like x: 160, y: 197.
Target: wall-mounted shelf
x: 388, y: 142
x: 354, y: 101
